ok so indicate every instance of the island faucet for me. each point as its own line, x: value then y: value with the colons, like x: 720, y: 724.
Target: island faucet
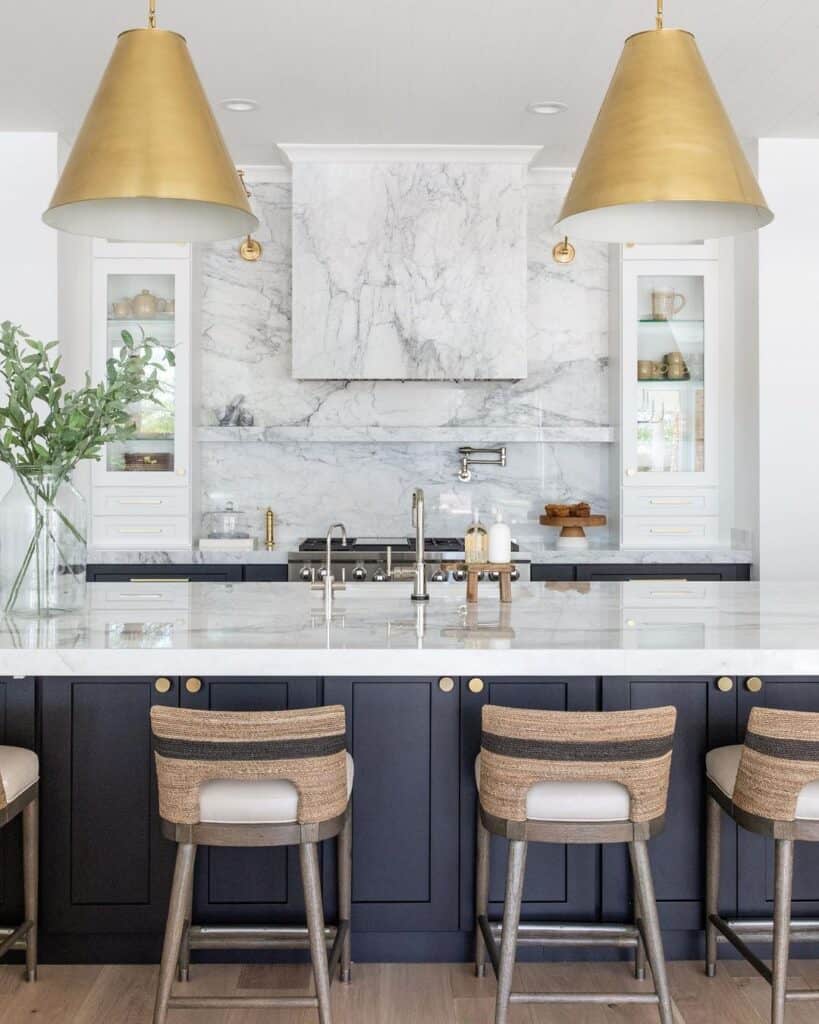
x: 419, y: 586
x: 328, y: 584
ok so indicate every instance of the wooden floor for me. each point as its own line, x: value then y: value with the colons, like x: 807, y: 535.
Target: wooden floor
x: 394, y: 994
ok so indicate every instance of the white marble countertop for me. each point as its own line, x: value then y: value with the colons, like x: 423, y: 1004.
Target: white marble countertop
x: 540, y: 552
x: 270, y: 629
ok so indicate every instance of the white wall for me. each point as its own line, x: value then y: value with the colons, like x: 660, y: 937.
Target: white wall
x: 28, y: 249
x: 789, y: 361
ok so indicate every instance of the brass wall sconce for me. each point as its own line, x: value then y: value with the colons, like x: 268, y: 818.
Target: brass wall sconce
x: 564, y: 252
x: 249, y: 248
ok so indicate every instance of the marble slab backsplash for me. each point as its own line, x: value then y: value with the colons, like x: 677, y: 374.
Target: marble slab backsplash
x: 246, y: 357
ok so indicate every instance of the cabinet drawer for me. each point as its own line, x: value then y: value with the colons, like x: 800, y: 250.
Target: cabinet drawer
x: 141, y: 532
x: 125, y: 501
x: 150, y: 594
x: 671, y: 532
x: 668, y: 502
x: 672, y: 593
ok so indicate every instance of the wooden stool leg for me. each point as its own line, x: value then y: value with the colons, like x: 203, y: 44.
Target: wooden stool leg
x: 31, y: 853
x: 783, y: 886
x: 185, y: 857
x: 308, y: 858
x: 471, y: 587
x: 712, y: 861
x: 640, y: 951
x: 651, y: 922
x: 345, y: 885
x: 481, y: 893
x: 505, y: 580
x: 184, y: 967
x: 511, y: 919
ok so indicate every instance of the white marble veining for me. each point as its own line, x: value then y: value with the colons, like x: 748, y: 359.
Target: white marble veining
x: 409, y: 271
x: 540, y: 553
x: 256, y: 629
x: 369, y: 487
x: 354, y: 449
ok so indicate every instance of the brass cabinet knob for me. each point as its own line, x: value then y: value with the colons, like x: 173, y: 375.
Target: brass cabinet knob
x: 193, y: 685
x: 725, y: 684
x: 753, y: 685
x: 162, y: 685
x: 446, y: 684
x: 475, y: 685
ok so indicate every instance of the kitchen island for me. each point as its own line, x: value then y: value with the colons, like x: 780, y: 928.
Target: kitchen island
x: 413, y: 679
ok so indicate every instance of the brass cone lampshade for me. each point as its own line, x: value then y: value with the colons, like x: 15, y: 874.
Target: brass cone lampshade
x: 149, y: 163
x: 662, y: 163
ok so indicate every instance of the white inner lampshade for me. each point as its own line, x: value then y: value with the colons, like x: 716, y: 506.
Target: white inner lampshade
x: 679, y: 221
x: 152, y: 220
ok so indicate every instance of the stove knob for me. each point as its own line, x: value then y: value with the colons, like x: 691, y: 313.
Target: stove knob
x: 359, y: 572
x: 439, y: 576
x: 514, y: 575
x: 494, y: 576
x: 306, y: 574
x: 481, y: 576
x: 322, y: 572
x: 380, y: 574
x: 459, y: 575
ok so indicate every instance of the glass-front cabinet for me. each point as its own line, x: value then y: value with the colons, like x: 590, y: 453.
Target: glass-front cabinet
x: 669, y: 337
x: 141, y: 484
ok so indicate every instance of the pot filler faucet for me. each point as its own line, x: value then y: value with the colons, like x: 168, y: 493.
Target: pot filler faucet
x: 328, y: 585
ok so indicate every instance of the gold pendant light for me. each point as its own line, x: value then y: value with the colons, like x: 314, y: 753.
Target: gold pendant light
x: 662, y: 163
x: 149, y: 163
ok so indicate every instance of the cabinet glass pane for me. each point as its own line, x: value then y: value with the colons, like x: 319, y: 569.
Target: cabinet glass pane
x: 143, y: 305
x: 670, y: 374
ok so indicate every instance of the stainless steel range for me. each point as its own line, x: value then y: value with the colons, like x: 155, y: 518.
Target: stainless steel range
x: 385, y: 560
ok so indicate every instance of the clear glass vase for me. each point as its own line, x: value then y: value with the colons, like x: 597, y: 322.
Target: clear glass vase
x: 43, y: 550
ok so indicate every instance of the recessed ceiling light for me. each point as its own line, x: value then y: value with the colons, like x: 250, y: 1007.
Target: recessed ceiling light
x: 239, y: 104
x: 547, y: 107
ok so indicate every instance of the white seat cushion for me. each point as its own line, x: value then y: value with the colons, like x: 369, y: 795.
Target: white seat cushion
x: 19, y: 769
x: 722, y: 765
x: 573, y: 801
x: 256, y: 802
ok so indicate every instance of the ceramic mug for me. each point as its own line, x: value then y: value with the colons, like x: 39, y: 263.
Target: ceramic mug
x: 674, y: 358
x: 649, y: 369
x: 122, y: 308
x: 666, y: 303
x: 677, y: 372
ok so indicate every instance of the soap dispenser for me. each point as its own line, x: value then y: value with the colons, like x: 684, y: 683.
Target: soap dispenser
x: 500, y: 541
x: 476, y: 541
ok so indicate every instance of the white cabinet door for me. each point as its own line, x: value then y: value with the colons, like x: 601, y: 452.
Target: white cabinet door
x: 669, y: 328
x: 149, y: 298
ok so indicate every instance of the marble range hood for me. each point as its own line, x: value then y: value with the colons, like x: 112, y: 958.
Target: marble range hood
x: 409, y: 262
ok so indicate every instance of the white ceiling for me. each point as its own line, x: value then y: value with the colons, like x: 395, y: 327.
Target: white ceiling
x: 425, y: 71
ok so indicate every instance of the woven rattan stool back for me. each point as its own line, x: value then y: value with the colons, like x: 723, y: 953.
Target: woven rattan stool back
x: 520, y: 748
x: 306, y: 747
x: 779, y: 757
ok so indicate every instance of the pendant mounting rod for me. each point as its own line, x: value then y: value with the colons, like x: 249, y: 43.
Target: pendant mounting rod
x: 659, y: 14
x: 152, y: 13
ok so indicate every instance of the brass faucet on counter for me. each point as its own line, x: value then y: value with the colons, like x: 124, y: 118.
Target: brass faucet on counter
x: 269, y: 530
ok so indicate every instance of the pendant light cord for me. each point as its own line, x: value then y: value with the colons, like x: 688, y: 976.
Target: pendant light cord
x: 659, y: 14
x: 152, y: 13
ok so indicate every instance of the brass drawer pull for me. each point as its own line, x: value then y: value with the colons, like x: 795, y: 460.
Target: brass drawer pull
x: 162, y: 685
x: 725, y: 684
x: 446, y: 684
x: 193, y: 685
x: 753, y: 685
x: 475, y: 685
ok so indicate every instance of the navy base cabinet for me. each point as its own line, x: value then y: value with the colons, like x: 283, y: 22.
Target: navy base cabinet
x: 106, y: 867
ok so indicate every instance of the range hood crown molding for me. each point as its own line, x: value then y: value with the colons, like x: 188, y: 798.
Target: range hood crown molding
x: 302, y: 152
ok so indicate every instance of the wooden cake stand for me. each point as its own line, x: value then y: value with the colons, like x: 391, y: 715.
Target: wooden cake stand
x: 573, y: 533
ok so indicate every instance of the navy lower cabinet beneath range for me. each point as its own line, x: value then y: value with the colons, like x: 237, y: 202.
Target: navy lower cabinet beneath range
x: 107, y: 869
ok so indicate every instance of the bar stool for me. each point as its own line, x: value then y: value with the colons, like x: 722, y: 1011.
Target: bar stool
x: 571, y: 777
x: 19, y: 794
x: 769, y: 785
x: 277, y: 778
